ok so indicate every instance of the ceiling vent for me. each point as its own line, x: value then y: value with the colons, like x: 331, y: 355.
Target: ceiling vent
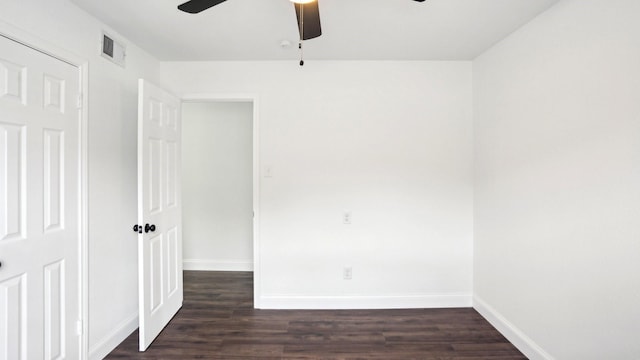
x: 113, y: 50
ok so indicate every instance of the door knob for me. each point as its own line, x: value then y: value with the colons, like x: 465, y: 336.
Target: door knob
x: 137, y: 228
x: 148, y: 228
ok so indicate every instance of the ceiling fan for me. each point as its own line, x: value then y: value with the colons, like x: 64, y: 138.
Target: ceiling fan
x: 307, y: 13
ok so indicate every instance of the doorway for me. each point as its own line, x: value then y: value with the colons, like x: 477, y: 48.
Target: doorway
x: 218, y: 185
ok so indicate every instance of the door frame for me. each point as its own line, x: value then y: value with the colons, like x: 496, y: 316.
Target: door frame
x: 20, y: 36
x: 253, y: 98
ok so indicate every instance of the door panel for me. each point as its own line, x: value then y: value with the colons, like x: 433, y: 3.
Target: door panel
x: 13, y: 310
x: 172, y: 173
x: 13, y: 79
x: 54, y: 291
x: 159, y: 204
x: 154, y: 182
x: 12, y: 161
x: 53, y: 180
x: 174, y: 259
x: 39, y: 216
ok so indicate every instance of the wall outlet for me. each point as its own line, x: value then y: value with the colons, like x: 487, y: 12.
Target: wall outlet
x: 347, y: 273
x: 346, y: 217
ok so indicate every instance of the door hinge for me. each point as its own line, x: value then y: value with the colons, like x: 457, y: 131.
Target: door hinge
x: 79, y: 101
x: 79, y: 327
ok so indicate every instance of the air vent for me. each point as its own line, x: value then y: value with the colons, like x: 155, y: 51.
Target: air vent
x: 113, y: 50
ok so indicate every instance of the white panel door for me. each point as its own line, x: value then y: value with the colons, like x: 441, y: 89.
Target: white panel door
x: 159, y: 210
x: 39, y: 205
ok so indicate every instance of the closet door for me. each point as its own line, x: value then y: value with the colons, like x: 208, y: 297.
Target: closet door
x: 39, y: 205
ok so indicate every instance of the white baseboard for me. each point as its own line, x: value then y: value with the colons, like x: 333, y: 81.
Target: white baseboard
x: 217, y: 265
x: 521, y: 341
x: 100, y: 350
x: 365, y: 302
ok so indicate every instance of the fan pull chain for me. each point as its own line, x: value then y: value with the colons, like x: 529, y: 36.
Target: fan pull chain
x: 301, y: 53
x: 301, y: 34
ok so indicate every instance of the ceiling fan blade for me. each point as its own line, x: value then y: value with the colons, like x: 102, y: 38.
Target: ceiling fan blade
x: 196, y: 6
x: 311, y: 20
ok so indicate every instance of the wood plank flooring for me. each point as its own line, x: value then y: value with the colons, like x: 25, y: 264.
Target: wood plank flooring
x: 217, y: 321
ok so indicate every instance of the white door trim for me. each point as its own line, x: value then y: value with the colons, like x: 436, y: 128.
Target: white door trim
x: 13, y: 33
x: 213, y: 97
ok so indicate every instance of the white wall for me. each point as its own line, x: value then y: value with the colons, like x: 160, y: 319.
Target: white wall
x: 388, y: 141
x: 217, y: 185
x: 112, y: 159
x: 557, y: 196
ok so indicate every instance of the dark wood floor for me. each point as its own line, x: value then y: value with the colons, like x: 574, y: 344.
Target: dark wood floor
x: 217, y: 321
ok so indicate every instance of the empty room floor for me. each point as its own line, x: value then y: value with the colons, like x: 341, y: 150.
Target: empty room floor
x: 218, y: 321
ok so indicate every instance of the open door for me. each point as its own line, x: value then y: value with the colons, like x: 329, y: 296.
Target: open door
x: 159, y: 211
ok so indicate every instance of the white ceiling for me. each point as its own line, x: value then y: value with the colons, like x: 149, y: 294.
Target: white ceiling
x: 352, y: 29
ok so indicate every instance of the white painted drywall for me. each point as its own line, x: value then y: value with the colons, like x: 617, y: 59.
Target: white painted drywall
x: 113, y: 304
x: 557, y: 195
x: 388, y: 141
x: 217, y: 185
